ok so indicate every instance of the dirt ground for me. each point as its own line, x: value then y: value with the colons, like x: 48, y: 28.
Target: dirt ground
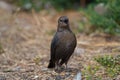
x: 26, y: 38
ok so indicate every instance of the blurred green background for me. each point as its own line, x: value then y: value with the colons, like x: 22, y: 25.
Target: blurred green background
x: 103, y: 15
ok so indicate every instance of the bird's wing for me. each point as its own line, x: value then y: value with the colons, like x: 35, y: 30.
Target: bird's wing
x: 54, y: 46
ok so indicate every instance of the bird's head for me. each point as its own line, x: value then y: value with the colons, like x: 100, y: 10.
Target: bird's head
x: 63, y: 22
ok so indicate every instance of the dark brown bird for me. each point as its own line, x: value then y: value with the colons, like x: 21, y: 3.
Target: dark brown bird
x: 63, y: 44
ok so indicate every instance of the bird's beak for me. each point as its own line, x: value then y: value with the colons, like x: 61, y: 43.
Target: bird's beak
x: 63, y: 24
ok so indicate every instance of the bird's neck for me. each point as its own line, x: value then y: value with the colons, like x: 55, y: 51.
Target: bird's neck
x: 63, y: 28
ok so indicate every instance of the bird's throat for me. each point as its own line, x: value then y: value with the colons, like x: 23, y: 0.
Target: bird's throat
x: 63, y: 28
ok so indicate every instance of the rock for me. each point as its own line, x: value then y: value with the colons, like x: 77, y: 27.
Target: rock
x: 100, y: 8
x: 78, y: 76
x: 58, y: 77
x: 27, y: 6
x: 6, y: 6
x: 79, y: 51
x: 16, y: 68
x: 118, y: 77
x: 67, y: 75
x: 44, y: 69
x: 36, y: 77
x: 2, y: 77
x: 48, y: 6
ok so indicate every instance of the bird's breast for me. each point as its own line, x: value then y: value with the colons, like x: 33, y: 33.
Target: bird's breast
x: 67, y: 39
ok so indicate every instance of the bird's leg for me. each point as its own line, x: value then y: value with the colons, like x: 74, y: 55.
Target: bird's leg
x: 57, y: 68
x: 56, y: 65
x: 66, y: 67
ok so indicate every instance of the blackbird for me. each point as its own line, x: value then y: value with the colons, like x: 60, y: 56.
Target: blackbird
x: 63, y: 44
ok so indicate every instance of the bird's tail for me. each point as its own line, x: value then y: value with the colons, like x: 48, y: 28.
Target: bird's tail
x: 51, y: 64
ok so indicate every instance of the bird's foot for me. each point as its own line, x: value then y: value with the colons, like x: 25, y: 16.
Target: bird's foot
x: 59, y: 69
x: 68, y: 69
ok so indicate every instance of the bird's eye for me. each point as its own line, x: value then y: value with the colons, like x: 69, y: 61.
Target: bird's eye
x: 60, y: 20
x: 66, y: 21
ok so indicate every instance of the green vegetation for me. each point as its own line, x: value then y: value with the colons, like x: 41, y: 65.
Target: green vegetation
x: 41, y: 4
x: 109, y: 22
x: 37, y: 60
x: 64, y: 4
x: 109, y: 65
x: 31, y: 4
x: 89, y: 72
